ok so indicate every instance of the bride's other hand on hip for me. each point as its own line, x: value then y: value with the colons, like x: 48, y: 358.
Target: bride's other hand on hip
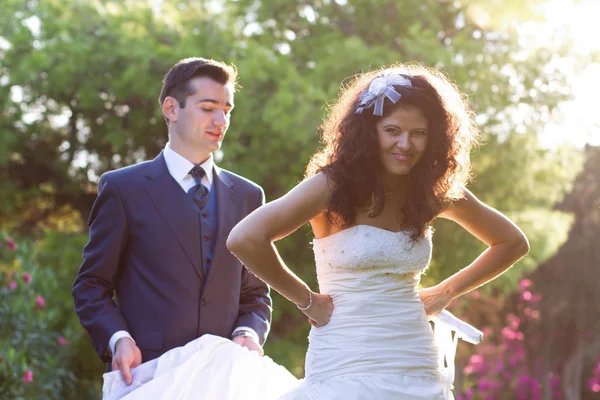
x: 435, y: 299
x: 320, y: 311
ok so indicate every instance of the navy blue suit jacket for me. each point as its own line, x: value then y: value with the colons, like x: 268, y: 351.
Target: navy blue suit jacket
x: 142, y: 268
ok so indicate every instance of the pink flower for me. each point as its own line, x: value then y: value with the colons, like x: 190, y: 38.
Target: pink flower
x: 26, y: 277
x: 62, y: 341
x: 517, y: 358
x: 508, y: 333
x: 513, y: 321
x: 10, y: 244
x: 536, y: 390
x: 524, y: 284
x: 476, y: 359
x: 524, y: 380
x: 499, y: 366
x: 12, y: 285
x: 469, y: 394
x: 484, y: 384
x: 527, y: 296
x: 41, y: 303
x: 28, y: 376
x: 475, y: 294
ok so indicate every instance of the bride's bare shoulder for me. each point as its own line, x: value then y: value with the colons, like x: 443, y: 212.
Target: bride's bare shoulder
x: 322, y: 223
x: 317, y: 187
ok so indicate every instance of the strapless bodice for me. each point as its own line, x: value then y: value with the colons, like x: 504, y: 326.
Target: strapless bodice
x: 366, y: 258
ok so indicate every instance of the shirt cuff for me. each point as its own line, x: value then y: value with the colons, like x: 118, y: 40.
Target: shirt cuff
x: 251, y: 332
x: 115, y: 338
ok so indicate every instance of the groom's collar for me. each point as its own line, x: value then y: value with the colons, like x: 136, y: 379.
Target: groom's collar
x: 158, y: 167
x: 179, y: 166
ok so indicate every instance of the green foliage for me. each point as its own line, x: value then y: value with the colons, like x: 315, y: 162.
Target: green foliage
x: 40, y: 331
x: 90, y: 86
x: 33, y: 356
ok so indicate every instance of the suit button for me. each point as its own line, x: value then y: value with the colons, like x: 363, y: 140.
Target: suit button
x: 204, y: 215
x: 203, y: 301
x: 206, y: 237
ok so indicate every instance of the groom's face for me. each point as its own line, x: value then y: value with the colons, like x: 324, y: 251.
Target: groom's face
x: 202, y: 122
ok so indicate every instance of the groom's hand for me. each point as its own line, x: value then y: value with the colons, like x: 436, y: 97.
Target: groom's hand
x: 248, y: 342
x: 127, y: 355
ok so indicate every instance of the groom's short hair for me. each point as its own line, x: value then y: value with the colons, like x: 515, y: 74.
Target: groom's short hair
x: 176, y: 81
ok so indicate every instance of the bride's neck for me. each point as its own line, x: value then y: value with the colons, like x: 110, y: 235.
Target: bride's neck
x: 395, y: 184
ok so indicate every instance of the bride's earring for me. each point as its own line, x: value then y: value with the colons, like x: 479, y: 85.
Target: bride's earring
x: 371, y: 209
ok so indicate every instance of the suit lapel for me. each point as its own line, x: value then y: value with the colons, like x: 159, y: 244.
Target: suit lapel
x: 177, y: 210
x: 226, y: 194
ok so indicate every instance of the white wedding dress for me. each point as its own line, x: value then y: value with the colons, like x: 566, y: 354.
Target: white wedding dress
x: 378, y: 344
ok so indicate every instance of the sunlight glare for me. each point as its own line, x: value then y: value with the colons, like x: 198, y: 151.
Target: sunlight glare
x: 579, y: 19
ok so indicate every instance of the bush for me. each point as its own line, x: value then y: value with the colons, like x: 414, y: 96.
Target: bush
x: 44, y: 351
x: 510, y: 364
x: 33, y: 355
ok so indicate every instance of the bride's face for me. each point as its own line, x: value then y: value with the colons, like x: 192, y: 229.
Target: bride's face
x: 403, y: 137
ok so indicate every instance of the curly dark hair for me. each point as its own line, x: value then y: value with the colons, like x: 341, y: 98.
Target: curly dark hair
x: 351, y: 156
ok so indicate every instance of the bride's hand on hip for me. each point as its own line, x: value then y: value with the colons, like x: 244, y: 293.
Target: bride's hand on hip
x: 320, y: 311
x: 434, y: 299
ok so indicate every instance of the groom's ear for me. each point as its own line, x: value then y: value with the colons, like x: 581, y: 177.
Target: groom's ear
x: 170, y: 108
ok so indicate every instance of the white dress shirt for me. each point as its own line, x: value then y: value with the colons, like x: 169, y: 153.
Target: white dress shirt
x: 179, y: 168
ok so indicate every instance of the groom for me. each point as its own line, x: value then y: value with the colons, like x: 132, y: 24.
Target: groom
x: 156, y: 273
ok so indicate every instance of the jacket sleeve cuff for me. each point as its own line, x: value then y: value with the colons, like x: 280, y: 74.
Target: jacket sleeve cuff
x: 247, y: 331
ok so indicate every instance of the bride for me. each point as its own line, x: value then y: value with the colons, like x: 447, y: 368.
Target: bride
x: 396, y: 157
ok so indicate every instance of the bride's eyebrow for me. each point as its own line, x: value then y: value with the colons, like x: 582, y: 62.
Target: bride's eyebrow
x: 398, y: 127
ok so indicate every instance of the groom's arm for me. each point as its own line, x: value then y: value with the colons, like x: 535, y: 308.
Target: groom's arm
x: 255, y: 302
x: 95, y: 282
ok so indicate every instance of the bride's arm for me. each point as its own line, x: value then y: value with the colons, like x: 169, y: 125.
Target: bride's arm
x: 252, y: 240
x: 507, y: 244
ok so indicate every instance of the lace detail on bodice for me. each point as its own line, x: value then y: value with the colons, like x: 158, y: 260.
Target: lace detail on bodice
x: 369, y: 248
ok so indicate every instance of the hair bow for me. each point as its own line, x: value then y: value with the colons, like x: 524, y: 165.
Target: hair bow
x: 380, y: 88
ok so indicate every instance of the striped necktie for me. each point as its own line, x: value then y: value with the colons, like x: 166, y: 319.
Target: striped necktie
x: 199, y: 192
